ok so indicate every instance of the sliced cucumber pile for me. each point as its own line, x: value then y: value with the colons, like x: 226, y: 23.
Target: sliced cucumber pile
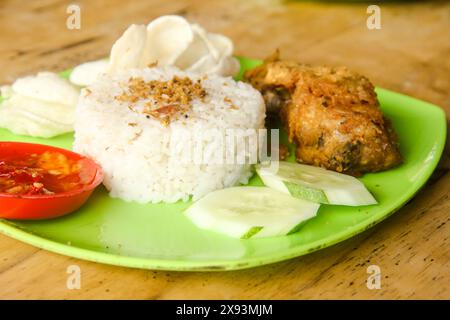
x: 251, y: 212
x: 316, y: 184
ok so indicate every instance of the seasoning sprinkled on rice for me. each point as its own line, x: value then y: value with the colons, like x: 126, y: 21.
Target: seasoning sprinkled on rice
x: 168, y: 99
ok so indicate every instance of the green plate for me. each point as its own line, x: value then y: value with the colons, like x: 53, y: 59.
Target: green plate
x: 158, y: 236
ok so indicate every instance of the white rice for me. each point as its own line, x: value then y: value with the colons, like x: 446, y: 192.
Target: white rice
x: 138, y: 160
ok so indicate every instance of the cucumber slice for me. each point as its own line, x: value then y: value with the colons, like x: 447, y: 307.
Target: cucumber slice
x: 250, y: 212
x: 316, y: 184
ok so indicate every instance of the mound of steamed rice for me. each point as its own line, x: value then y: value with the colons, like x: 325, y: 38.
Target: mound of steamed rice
x: 137, y: 152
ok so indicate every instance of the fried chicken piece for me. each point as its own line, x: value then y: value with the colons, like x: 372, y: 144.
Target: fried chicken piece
x: 332, y: 114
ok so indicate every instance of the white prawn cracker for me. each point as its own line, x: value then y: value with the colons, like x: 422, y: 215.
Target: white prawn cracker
x: 173, y: 41
x: 42, y: 105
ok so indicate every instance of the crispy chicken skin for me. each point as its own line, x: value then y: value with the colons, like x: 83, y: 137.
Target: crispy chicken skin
x: 332, y: 114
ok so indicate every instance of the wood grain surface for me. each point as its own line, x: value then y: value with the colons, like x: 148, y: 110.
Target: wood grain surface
x: 409, y: 54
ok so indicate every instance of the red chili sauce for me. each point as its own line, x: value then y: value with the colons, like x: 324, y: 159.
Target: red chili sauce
x: 41, y: 174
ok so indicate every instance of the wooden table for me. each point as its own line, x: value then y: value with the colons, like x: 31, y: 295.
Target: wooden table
x: 409, y: 54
